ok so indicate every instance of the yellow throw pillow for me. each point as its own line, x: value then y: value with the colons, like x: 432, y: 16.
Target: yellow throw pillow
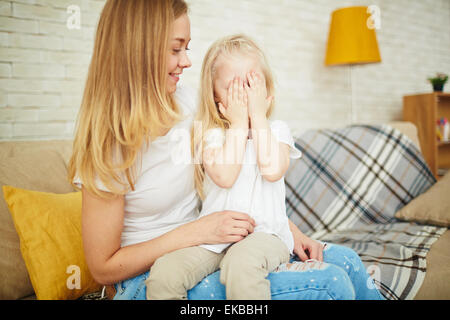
x: 431, y: 207
x: 49, y: 229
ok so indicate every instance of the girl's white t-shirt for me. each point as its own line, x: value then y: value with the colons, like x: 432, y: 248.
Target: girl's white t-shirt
x: 164, y: 196
x: 251, y: 193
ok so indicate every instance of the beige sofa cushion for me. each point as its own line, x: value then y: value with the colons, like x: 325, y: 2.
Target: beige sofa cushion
x: 438, y: 258
x: 431, y: 207
x: 16, y: 148
x: 407, y: 128
x: 37, y: 165
x: 436, y: 284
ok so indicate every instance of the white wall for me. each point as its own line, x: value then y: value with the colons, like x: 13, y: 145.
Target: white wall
x: 43, y: 64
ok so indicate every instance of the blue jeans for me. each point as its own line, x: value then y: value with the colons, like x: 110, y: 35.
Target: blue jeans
x: 342, y: 276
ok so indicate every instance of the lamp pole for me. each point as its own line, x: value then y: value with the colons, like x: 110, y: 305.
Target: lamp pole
x: 353, y: 116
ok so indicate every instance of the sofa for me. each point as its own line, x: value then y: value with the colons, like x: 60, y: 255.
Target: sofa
x: 42, y: 166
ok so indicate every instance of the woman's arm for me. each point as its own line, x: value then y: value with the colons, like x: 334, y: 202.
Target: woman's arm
x: 108, y: 262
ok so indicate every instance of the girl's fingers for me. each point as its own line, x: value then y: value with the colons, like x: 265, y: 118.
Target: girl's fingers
x: 258, y: 76
x: 250, y: 79
x: 235, y: 88
x: 246, y: 87
x: 230, y: 92
x: 241, y: 90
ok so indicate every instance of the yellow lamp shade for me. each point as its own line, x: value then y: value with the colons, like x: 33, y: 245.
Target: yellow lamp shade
x: 350, y: 40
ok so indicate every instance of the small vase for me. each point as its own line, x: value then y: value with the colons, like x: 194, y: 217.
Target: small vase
x: 438, y: 87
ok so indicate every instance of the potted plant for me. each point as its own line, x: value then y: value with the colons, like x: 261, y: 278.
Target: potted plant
x: 438, y: 81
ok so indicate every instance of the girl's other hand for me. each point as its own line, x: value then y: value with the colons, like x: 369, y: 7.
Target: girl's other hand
x: 258, y: 102
x: 236, y: 110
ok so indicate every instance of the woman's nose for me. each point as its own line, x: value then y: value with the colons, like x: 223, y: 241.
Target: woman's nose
x: 185, y: 62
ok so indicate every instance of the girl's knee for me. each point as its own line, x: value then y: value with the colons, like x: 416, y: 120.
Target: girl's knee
x: 164, y: 272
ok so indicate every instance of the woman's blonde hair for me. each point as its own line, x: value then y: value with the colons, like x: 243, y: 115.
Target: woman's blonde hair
x: 125, y: 101
x: 208, y: 114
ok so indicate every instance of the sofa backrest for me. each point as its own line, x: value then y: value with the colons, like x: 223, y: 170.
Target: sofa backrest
x: 407, y: 128
x: 42, y: 166
x: 32, y: 165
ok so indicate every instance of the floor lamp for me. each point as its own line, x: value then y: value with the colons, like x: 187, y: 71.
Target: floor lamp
x: 352, y: 40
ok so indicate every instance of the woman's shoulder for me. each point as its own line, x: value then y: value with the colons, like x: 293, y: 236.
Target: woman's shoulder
x: 186, y: 97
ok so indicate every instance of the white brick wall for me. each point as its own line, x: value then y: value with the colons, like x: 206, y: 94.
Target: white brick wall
x: 43, y: 64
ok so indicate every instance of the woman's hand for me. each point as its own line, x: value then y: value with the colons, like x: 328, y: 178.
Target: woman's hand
x: 258, y: 102
x: 236, y: 110
x: 224, y: 227
x: 306, y: 248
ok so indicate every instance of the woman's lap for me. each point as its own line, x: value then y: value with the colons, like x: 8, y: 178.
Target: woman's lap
x: 341, y: 276
x: 350, y: 262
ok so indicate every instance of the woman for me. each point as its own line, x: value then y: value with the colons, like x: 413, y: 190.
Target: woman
x: 138, y: 203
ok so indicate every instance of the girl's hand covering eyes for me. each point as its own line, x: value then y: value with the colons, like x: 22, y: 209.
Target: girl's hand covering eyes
x: 236, y: 110
x: 258, y: 102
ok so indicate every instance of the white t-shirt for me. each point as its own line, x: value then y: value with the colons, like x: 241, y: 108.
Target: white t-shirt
x: 164, y: 196
x: 264, y: 201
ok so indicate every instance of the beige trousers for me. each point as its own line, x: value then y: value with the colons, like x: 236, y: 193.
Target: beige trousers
x: 244, y: 268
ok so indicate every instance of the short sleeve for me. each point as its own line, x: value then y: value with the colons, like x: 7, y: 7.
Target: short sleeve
x: 282, y: 133
x: 214, y: 138
x: 98, y: 183
x: 117, y: 158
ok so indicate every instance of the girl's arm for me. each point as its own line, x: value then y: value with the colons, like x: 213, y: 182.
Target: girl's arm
x: 223, y: 163
x: 272, y: 156
x: 109, y: 263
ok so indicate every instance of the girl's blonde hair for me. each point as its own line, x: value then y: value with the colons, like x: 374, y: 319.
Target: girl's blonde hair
x: 208, y: 114
x: 125, y: 100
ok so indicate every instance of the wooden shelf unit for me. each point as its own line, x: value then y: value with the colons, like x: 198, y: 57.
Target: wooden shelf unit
x: 424, y: 110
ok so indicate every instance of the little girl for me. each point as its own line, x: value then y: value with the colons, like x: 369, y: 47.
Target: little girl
x: 241, y: 161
